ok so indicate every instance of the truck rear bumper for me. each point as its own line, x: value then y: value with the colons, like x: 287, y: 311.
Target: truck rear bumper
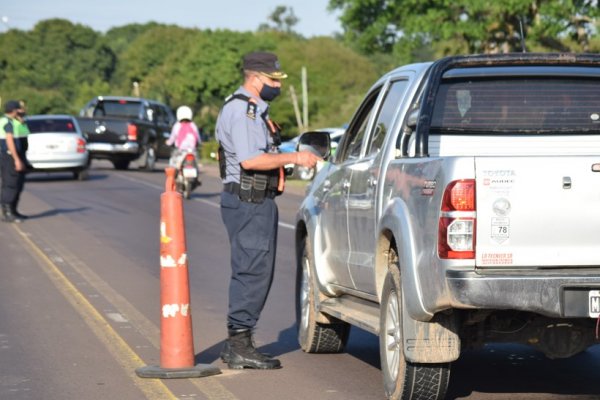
x: 553, y: 295
x: 113, y: 148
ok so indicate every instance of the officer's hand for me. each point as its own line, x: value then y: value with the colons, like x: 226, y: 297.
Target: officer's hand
x: 19, y: 166
x: 307, y: 159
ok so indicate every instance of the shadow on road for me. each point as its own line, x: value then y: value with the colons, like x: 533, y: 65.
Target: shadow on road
x: 209, y: 355
x: 56, y: 211
x: 510, y: 369
x: 67, y: 176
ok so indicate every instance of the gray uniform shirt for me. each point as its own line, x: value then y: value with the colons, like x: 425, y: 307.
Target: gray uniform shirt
x: 242, y: 136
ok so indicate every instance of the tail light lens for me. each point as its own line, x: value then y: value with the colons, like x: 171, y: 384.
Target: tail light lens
x: 457, y: 224
x: 189, y: 159
x: 132, y: 132
x: 81, y: 145
x: 459, y: 196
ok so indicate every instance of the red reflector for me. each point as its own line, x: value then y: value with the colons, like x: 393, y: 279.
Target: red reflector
x: 80, y: 146
x: 189, y: 157
x: 131, y: 132
x: 122, y: 101
x: 459, y: 196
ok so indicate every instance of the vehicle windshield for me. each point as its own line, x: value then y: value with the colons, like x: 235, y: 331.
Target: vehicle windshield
x: 518, y: 105
x: 118, y: 108
x: 51, y: 125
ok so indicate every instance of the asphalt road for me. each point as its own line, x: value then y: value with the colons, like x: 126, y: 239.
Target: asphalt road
x: 80, y: 304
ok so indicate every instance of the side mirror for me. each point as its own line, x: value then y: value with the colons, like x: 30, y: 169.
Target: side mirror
x: 317, y: 142
x: 412, y: 119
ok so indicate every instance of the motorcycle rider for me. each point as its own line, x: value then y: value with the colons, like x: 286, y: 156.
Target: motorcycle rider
x: 186, y: 138
x: 184, y: 135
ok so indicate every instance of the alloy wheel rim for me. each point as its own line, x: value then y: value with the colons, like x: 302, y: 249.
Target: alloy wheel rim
x: 304, y: 298
x: 393, y: 340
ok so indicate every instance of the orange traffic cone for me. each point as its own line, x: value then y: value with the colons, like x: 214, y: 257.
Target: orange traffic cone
x: 176, y: 338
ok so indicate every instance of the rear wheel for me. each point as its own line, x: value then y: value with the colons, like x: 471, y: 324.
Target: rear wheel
x: 313, y: 336
x: 147, y: 160
x: 81, y: 174
x: 402, y: 379
x: 121, y: 164
x: 187, y: 190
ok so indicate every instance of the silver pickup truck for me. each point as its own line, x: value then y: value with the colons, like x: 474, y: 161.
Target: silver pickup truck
x: 462, y: 207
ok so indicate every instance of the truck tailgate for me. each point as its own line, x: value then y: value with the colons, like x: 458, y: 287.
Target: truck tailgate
x: 104, y: 130
x: 537, y: 211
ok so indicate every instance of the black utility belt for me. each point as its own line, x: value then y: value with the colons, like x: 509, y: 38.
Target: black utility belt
x: 249, y: 194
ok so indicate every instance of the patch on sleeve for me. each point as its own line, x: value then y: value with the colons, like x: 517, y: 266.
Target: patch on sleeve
x: 251, y: 110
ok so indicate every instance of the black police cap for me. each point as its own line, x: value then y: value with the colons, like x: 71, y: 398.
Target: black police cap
x: 265, y: 63
x: 11, y: 106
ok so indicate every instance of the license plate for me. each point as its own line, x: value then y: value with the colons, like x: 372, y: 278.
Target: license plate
x: 100, y: 146
x: 190, y: 173
x: 594, y: 303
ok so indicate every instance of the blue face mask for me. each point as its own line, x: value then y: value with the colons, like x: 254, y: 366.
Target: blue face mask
x: 268, y: 93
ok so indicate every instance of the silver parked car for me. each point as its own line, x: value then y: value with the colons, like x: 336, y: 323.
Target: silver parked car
x: 57, y: 144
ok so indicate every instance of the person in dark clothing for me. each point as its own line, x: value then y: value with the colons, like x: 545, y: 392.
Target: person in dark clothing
x: 251, y: 169
x: 13, y: 163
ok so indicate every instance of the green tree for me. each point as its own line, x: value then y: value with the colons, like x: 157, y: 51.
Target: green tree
x: 58, y: 66
x: 150, y: 51
x: 120, y: 38
x: 51, y: 64
x: 282, y: 19
x: 420, y: 29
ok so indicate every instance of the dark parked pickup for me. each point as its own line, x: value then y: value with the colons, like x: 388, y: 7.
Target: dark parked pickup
x: 123, y: 129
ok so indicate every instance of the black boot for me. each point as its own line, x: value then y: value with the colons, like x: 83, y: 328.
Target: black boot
x: 239, y: 352
x: 226, y: 352
x: 13, y: 209
x: 8, y: 215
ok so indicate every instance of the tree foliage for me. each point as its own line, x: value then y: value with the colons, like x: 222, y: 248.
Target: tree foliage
x: 51, y: 65
x: 58, y: 66
x: 282, y: 19
x: 422, y: 29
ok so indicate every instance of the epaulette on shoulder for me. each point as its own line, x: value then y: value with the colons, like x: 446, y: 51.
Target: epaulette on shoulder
x: 252, y: 106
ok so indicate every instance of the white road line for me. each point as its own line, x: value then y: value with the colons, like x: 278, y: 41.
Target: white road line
x: 204, y: 201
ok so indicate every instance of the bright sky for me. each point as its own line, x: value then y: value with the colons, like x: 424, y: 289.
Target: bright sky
x: 237, y: 15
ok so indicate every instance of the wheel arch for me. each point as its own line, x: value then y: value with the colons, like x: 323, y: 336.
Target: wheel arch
x: 396, y: 229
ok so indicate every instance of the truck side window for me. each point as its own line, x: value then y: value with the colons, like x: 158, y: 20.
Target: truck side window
x: 355, y: 134
x: 150, y: 114
x: 387, y: 114
x: 99, y: 110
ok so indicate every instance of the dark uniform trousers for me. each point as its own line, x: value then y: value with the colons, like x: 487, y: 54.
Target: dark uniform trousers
x: 12, y: 181
x: 252, y: 230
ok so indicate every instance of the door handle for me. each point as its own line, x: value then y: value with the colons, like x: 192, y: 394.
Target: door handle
x: 372, y: 181
x: 345, y: 185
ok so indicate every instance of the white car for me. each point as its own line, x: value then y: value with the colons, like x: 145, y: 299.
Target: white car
x: 57, y: 144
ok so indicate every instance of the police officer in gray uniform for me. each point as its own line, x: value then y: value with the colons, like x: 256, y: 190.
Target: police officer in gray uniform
x: 251, y: 169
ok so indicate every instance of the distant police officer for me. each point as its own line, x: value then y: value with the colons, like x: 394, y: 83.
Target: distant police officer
x: 13, y: 146
x: 251, y: 169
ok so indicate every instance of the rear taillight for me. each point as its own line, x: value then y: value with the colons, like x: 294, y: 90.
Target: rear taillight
x: 131, y: 132
x: 189, y: 160
x: 81, y: 145
x: 456, y: 228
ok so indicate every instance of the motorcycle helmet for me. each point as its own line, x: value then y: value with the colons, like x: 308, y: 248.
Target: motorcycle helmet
x: 184, y: 112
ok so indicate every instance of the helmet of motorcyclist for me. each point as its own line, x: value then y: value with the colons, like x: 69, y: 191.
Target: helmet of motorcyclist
x: 184, y: 113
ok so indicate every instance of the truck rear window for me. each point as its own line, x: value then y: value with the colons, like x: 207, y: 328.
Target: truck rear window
x: 123, y: 109
x: 514, y: 105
